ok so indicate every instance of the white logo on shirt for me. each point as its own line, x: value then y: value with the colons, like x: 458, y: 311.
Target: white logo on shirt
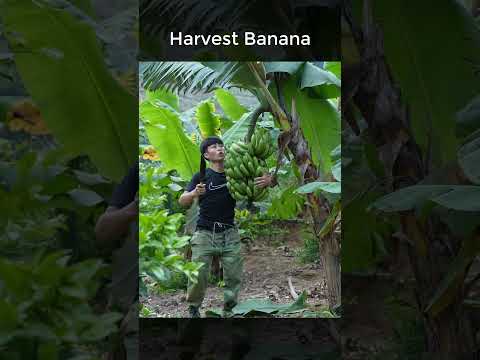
x: 212, y: 187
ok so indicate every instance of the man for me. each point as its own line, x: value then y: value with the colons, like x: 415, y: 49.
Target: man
x: 116, y: 232
x: 114, y: 224
x: 216, y: 233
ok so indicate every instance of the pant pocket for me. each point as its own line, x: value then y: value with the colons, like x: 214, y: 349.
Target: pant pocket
x: 232, y: 237
x: 201, y: 237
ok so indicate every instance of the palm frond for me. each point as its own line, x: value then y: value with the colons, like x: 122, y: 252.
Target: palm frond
x: 190, y: 77
x: 189, y: 13
x: 120, y: 25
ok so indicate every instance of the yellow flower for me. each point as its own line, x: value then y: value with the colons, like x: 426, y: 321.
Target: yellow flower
x: 26, y: 116
x: 150, y: 153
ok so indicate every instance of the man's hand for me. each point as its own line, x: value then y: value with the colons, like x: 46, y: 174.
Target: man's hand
x: 199, y: 189
x: 263, y: 181
x: 131, y: 210
x: 187, y: 198
x: 114, y: 223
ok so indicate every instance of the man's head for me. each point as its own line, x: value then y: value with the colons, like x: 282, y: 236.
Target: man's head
x: 212, y: 149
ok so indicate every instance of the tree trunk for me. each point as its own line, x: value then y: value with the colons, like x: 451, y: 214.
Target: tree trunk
x: 330, y: 257
x: 293, y: 138
x: 329, y: 246
x: 449, y: 334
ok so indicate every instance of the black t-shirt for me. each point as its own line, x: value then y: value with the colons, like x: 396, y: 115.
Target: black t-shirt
x: 216, y: 205
x: 124, y: 192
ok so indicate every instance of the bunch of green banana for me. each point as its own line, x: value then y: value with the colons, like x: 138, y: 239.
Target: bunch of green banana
x: 241, y: 167
x: 261, y: 144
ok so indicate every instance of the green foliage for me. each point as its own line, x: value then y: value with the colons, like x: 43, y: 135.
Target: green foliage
x: 257, y: 225
x: 469, y: 158
x: 264, y: 307
x: 457, y: 197
x: 175, y: 133
x: 408, y: 49
x: 239, y: 129
x: 161, y: 248
x: 94, y: 108
x: 146, y: 312
x: 325, y: 84
x: 286, y: 204
x: 163, y: 97
x: 45, y: 306
x: 230, y: 105
x: 165, y: 131
x: 176, y: 281
x: 314, y: 186
x: 447, y: 290
x: 193, y: 77
x: 45, y: 201
x: 208, y: 122
x: 334, y: 67
x: 319, y: 119
x: 468, y: 119
x: 310, y: 251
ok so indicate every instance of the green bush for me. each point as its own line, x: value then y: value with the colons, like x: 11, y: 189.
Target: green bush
x: 161, y: 248
x: 44, y: 307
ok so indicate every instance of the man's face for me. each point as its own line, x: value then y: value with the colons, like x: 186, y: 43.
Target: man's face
x: 215, y: 152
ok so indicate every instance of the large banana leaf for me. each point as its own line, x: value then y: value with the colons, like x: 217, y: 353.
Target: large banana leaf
x: 319, y: 120
x: 454, y: 278
x: 230, y: 105
x: 468, y: 119
x: 469, y: 159
x: 435, y: 73
x: 164, y: 96
x: 325, y: 83
x: 335, y: 67
x: 239, y: 130
x: 237, y: 73
x: 189, y: 77
x: 165, y: 132
x: 208, y: 122
x: 456, y: 197
x: 64, y: 71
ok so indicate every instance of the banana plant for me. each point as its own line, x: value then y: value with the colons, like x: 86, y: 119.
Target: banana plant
x: 95, y: 108
x: 299, y: 96
x: 420, y: 179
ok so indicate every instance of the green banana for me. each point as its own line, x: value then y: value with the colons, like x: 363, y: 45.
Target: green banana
x: 249, y: 192
x: 251, y: 168
x: 262, y: 194
x: 265, y: 152
x: 237, y: 196
x: 245, y: 158
x: 262, y: 148
x: 244, y: 162
x: 255, y: 162
x: 239, y: 188
x: 243, y: 188
x: 238, y: 173
x: 256, y: 190
x: 244, y: 170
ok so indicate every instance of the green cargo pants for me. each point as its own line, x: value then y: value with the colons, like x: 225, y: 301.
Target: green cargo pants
x: 206, y: 244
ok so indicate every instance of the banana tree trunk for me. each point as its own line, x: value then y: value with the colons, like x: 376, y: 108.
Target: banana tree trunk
x: 329, y: 245
x: 293, y: 138
x: 372, y: 90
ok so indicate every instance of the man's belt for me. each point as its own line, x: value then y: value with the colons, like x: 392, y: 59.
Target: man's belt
x: 217, y: 227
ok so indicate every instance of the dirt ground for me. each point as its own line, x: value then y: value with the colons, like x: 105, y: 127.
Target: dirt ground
x: 267, y: 267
